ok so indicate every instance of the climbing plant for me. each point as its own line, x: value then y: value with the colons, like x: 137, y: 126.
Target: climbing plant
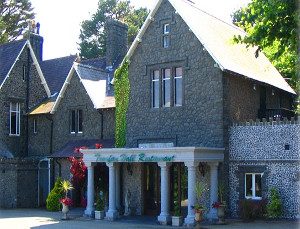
x: 122, y: 88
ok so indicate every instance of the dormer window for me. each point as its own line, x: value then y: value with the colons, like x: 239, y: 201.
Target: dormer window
x: 166, y: 36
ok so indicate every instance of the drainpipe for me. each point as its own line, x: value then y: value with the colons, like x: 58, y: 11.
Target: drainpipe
x: 50, y: 118
x: 100, y: 112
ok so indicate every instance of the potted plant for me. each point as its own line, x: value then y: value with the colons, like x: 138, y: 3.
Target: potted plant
x: 199, y: 208
x: 177, y: 219
x: 66, y: 201
x: 99, y: 210
x: 220, y: 205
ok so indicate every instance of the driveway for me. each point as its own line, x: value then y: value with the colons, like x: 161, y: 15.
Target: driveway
x: 37, y: 218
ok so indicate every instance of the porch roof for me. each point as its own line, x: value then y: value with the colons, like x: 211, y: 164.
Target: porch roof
x: 173, y: 154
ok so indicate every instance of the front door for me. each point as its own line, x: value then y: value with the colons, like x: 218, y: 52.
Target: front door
x: 151, y: 189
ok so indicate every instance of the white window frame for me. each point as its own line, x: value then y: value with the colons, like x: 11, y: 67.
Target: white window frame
x: 18, y: 119
x: 154, y: 81
x: 166, y: 80
x: 166, y: 31
x: 73, y: 132
x: 175, y: 89
x: 253, y: 197
x: 166, y: 35
x: 34, y: 126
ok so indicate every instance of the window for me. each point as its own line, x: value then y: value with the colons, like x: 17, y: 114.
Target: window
x: 166, y: 36
x: 166, y: 87
x: 24, y: 72
x: 253, y: 186
x: 14, y: 120
x: 79, y: 121
x: 155, y: 89
x: 34, y: 126
x: 178, y: 87
x: 76, y: 120
x: 73, y: 122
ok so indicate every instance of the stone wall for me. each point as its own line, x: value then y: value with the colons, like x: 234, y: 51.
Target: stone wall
x: 18, y: 183
x: 15, y: 90
x: 199, y: 121
x: 271, y: 148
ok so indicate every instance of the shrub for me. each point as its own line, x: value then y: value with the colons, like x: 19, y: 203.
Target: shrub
x: 52, y: 201
x: 252, y: 209
x: 274, y: 207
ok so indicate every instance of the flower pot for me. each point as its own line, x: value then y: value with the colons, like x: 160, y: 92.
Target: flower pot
x: 177, y: 221
x: 221, y: 213
x: 199, y: 215
x: 65, y: 210
x: 99, y: 214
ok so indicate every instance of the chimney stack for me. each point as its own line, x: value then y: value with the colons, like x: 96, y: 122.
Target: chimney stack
x: 36, y: 41
x: 116, y: 41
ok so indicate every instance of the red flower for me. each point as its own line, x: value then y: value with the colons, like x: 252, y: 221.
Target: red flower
x: 66, y: 201
x: 216, y: 204
x: 98, y: 146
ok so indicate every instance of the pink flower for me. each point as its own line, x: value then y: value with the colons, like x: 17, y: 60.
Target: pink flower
x: 66, y: 201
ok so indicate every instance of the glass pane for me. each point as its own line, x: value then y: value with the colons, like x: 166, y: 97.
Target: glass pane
x: 18, y: 121
x: 155, y: 91
x: 258, y: 192
x: 167, y: 74
x: 73, y: 121
x: 178, y: 91
x: 248, y: 185
x: 166, y: 28
x: 156, y: 75
x: 166, y: 41
x: 79, y: 120
x: 13, y: 123
x: 178, y: 72
x: 14, y: 106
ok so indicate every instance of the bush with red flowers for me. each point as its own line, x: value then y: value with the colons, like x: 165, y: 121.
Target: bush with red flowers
x: 66, y: 201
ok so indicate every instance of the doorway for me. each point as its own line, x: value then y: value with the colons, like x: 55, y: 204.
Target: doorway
x: 151, y: 184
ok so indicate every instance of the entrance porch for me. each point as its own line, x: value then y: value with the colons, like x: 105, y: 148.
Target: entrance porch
x: 164, y: 157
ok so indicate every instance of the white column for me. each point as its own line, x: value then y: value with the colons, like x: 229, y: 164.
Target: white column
x: 164, y: 217
x: 89, y: 211
x: 190, y: 218
x: 213, y: 189
x: 112, y: 212
x: 118, y: 184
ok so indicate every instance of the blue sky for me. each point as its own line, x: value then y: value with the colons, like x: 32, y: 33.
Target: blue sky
x: 60, y: 20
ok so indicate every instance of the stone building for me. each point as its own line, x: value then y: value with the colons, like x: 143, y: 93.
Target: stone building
x: 22, y: 86
x: 188, y: 84
x: 51, y: 107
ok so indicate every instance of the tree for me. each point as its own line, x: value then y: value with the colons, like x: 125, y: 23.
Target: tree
x: 272, y: 26
x: 93, y: 33
x: 14, y: 18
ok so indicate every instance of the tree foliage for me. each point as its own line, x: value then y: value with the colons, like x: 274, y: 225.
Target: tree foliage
x: 93, y: 32
x: 272, y: 26
x: 14, y: 17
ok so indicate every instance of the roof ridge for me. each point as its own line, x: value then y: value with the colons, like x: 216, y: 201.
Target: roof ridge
x: 211, y: 15
x: 90, y: 67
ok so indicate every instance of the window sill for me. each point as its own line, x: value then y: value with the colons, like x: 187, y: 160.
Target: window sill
x: 253, y: 198
x: 14, y: 135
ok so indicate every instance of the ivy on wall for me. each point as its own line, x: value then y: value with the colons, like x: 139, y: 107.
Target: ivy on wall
x: 122, y: 88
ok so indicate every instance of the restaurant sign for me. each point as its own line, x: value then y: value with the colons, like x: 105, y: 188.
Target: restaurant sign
x: 142, y: 157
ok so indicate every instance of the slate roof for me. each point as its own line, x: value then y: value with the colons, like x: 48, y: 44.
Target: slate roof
x: 69, y: 149
x: 96, y: 85
x: 56, y: 71
x: 217, y: 38
x: 8, y: 55
x: 99, y: 63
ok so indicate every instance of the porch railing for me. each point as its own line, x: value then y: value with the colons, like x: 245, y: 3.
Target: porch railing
x: 279, y: 113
